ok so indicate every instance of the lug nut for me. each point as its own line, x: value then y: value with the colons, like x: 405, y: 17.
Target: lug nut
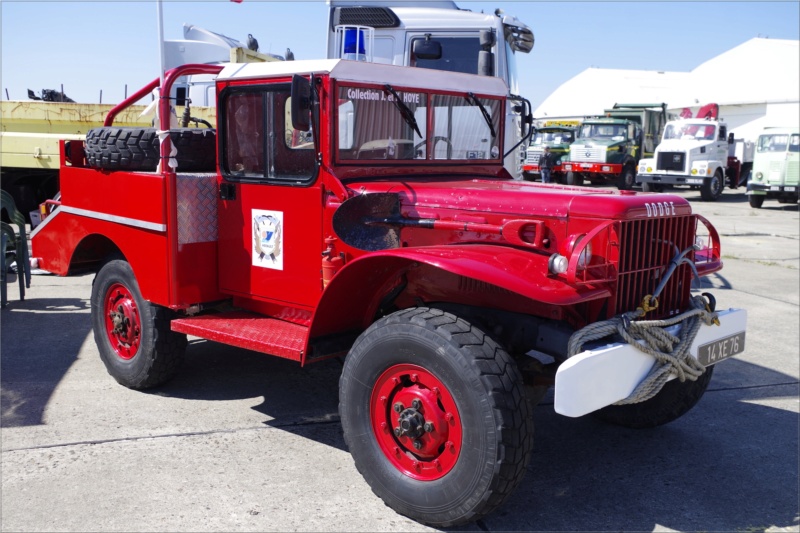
x: 398, y: 407
x: 398, y: 432
x: 416, y: 404
x: 418, y: 444
x: 428, y: 427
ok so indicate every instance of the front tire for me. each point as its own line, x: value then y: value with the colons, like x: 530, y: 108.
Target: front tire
x: 672, y: 402
x: 435, y: 416
x: 652, y: 187
x: 711, y: 190
x: 756, y: 200
x: 133, y: 336
x: 574, y: 178
x: 627, y: 179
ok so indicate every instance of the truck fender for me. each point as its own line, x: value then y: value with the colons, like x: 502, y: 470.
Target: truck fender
x: 353, y: 296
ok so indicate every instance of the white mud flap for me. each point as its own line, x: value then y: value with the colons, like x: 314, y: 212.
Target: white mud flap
x: 599, y: 377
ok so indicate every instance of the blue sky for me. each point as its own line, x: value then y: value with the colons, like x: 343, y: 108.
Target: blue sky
x: 103, y: 45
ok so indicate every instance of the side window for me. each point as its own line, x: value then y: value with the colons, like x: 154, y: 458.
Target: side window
x: 257, y: 140
x: 245, y: 125
x: 723, y: 133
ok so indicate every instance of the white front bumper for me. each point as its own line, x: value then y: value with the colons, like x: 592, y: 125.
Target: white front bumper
x: 596, y: 378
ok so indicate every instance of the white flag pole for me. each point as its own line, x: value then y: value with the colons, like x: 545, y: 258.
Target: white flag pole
x: 161, y: 40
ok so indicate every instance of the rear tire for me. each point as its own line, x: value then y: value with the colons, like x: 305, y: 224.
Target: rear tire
x: 458, y: 379
x: 756, y: 200
x: 112, y: 148
x: 672, y: 402
x: 712, y: 187
x: 133, y: 336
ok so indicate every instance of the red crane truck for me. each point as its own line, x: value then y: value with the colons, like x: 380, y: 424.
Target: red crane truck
x: 363, y: 211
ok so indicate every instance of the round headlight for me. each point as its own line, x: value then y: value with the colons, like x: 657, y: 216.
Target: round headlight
x: 759, y: 175
x: 586, y: 253
x: 694, y: 171
x: 649, y: 169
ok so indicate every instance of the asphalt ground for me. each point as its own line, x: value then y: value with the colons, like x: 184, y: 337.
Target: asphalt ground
x: 245, y: 442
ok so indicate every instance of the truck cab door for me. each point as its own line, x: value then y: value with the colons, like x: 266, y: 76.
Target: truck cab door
x: 270, y: 205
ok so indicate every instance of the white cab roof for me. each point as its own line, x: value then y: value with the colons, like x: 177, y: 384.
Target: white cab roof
x: 363, y: 72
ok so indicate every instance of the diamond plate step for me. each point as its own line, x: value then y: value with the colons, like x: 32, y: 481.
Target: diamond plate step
x: 249, y: 331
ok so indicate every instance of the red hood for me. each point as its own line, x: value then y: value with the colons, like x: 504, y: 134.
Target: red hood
x: 518, y: 198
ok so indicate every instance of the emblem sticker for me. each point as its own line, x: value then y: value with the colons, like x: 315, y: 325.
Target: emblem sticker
x: 267, y: 239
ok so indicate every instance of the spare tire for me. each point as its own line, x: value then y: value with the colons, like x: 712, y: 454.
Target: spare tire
x: 112, y: 148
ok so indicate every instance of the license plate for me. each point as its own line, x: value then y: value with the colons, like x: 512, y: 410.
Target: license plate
x: 788, y: 189
x: 586, y: 165
x: 774, y: 188
x: 714, y: 352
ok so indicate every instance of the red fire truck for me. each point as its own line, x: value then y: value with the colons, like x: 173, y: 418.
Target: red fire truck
x: 363, y: 211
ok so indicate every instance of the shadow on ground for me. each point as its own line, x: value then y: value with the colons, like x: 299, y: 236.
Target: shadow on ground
x: 40, y: 340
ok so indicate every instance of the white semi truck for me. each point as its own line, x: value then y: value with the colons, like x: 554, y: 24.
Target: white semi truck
x: 439, y: 35
x: 698, y: 152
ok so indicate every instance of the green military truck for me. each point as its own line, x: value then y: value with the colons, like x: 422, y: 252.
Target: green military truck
x: 608, y: 148
x: 557, y: 137
x: 776, y: 167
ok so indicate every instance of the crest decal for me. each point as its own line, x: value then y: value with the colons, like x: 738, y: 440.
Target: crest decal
x: 267, y: 239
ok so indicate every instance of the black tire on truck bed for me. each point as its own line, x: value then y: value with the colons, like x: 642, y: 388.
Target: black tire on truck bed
x: 112, y: 148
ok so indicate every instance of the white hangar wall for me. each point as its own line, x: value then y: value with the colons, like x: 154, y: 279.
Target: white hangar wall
x: 756, y: 84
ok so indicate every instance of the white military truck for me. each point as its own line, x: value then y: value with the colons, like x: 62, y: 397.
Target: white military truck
x: 699, y: 152
x: 441, y: 36
x: 776, y: 167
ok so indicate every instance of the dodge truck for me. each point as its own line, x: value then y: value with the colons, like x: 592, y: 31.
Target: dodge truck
x: 362, y: 211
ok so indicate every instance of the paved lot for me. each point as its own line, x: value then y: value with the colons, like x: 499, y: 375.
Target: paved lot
x: 244, y: 442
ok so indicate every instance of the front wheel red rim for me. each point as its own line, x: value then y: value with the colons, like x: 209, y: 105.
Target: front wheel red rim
x: 122, y: 320
x: 416, y: 422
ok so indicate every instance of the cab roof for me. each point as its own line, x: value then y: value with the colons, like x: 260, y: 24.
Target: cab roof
x: 374, y: 73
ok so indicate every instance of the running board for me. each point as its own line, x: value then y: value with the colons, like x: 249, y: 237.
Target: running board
x: 249, y: 331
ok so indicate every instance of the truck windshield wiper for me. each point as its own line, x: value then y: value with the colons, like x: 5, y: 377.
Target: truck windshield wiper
x: 407, y: 114
x: 474, y: 101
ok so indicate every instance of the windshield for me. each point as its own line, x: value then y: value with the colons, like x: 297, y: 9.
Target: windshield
x: 459, y: 54
x: 690, y: 131
x: 778, y: 143
x: 552, y: 137
x: 615, y: 132
x: 371, y: 126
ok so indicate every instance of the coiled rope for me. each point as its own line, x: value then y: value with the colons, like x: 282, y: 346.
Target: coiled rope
x: 671, y: 352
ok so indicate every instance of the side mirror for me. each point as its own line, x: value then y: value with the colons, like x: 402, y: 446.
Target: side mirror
x: 731, y: 140
x: 427, y: 49
x: 487, y: 39
x: 301, y: 103
x: 485, y: 63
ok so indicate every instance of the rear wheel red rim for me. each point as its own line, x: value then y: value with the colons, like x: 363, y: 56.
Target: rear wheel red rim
x: 123, y: 323
x: 416, y: 422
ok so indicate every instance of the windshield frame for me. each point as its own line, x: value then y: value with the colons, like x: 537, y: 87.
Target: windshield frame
x: 427, y: 126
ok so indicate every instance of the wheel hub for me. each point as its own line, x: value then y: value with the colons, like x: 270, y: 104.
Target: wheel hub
x: 123, y: 324
x: 416, y: 422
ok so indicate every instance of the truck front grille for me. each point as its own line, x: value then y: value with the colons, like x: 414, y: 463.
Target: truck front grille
x: 675, y: 161
x: 588, y: 154
x: 533, y: 157
x: 646, y: 249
